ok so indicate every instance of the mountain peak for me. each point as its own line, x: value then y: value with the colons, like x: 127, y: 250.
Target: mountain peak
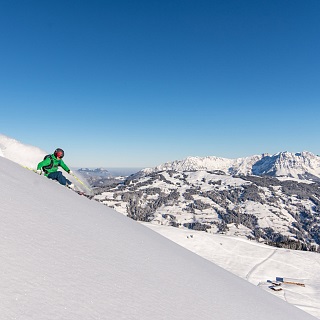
x: 301, y: 165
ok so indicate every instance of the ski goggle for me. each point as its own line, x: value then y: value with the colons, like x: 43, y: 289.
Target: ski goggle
x: 59, y: 154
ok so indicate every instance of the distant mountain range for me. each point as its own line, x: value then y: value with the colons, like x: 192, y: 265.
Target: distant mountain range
x: 304, y: 165
x: 274, y: 199
x: 94, y: 172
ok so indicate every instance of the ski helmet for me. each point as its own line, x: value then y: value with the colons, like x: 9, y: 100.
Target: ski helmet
x: 59, y: 153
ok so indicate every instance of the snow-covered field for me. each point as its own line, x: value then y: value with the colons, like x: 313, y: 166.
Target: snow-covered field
x: 257, y: 263
x: 66, y: 257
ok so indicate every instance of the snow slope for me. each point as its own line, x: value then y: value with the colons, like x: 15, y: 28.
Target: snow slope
x: 257, y: 263
x: 66, y: 257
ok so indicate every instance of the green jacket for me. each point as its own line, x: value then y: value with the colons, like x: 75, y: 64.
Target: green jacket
x: 55, y: 164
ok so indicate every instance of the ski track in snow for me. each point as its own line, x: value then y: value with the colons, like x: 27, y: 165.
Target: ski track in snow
x: 248, y: 276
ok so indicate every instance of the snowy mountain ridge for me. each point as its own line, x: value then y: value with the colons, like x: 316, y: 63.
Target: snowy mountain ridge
x: 303, y: 165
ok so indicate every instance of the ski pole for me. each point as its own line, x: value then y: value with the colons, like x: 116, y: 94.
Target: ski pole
x: 80, y: 181
x: 31, y: 169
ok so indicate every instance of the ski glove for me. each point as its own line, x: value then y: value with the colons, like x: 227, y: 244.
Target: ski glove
x: 70, y: 172
x: 39, y: 172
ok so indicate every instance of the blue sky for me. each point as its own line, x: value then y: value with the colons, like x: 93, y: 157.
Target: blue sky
x: 138, y: 83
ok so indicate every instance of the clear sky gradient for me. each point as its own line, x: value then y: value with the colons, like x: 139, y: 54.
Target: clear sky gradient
x: 138, y: 83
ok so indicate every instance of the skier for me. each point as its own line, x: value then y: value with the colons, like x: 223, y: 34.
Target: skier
x: 49, y: 165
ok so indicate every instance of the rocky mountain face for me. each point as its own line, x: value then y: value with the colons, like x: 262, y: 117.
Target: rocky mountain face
x: 279, y: 211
